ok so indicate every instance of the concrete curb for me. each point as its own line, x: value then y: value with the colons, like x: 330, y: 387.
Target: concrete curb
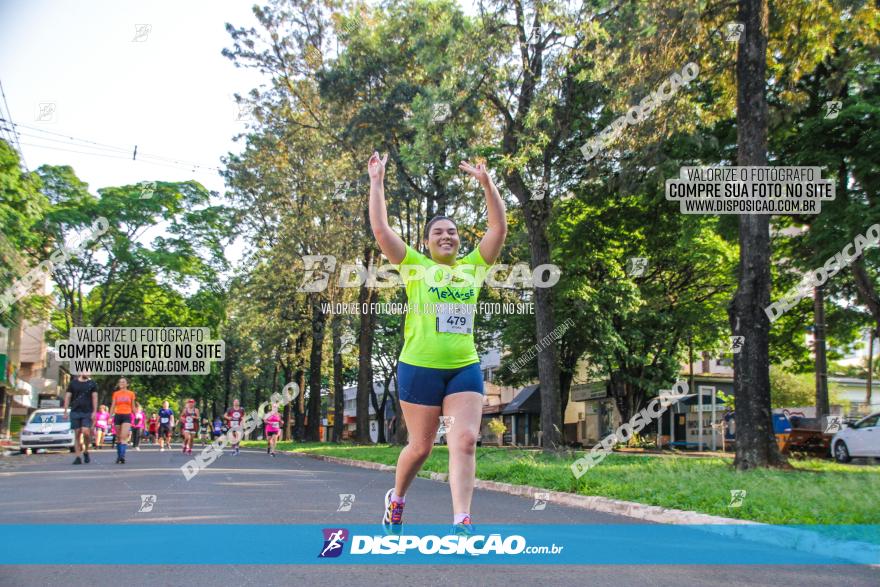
x: 802, y: 540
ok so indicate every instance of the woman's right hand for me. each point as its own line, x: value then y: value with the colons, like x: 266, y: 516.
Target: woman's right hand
x: 376, y: 166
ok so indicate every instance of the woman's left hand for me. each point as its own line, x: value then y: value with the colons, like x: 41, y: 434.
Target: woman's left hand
x: 478, y: 172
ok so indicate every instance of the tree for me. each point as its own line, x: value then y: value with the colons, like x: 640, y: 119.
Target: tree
x: 24, y: 241
x: 755, y: 443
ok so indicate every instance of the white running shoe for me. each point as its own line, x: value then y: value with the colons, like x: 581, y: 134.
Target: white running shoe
x: 161, y: 449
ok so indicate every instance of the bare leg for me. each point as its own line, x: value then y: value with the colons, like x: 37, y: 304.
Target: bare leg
x: 124, y: 431
x: 466, y: 407
x: 86, y: 439
x: 421, y: 423
x: 77, y: 440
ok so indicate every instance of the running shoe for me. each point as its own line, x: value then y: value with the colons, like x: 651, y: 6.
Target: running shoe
x: 118, y: 460
x: 122, y: 461
x: 464, y: 528
x: 273, y: 453
x: 161, y: 449
x: 86, y: 457
x: 77, y: 461
x: 392, y: 520
x: 137, y: 448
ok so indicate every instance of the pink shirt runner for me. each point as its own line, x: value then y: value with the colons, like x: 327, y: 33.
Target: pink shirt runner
x: 138, y: 420
x: 272, y: 421
x: 101, y: 419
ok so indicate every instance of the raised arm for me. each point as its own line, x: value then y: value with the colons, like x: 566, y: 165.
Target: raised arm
x: 493, y: 240
x: 392, y: 246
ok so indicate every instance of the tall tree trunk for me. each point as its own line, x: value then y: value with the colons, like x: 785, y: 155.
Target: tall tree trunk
x: 300, y: 377
x: 365, y: 357
x: 755, y: 443
x: 228, y: 365
x: 319, y: 321
x: 288, y: 407
x: 379, y: 408
x: 565, y: 378
x: 273, y: 385
x: 536, y: 212
x: 628, y: 397
x: 819, y: 348
x: 242, y: 387
x: 537, y: 216
x: 299, y: 406
x: 338, y: 382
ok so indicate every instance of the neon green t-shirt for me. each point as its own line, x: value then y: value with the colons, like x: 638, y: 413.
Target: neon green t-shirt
x: 439, y: 323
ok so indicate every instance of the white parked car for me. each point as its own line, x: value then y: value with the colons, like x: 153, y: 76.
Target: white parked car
x: 46, y: 428
x: 861, y: 439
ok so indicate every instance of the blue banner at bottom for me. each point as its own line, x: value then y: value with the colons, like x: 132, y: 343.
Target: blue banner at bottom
x: 630, y: 544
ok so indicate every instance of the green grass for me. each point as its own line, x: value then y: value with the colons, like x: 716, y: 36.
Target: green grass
x: 816, y: 492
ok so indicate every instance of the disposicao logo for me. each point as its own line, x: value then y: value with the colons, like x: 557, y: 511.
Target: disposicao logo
x: 473, y: 545
x: 334, y: 540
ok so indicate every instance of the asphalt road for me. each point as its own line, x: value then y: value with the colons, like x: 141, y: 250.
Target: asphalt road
x: 255, y: 488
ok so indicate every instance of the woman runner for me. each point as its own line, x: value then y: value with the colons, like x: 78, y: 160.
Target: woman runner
x: 439, y: 370
x: 153, y: 427
x: 122, y: 407
x: 234, y: 417
x: 102, y: 423
x: 189, y: 425
x: 137, y: 426
x: 273, y: 428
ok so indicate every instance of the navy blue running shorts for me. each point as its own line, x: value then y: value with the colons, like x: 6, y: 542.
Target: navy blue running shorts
x: 428, y: 387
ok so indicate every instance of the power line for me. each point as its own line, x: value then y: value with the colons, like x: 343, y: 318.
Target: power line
x: 114, y: 156
x: 14, y: 134
x: 108, y: 151
x: 174, y: 160
x: 69, y: 137
x: 41, y: 138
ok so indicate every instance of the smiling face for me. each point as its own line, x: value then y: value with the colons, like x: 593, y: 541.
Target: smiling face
x: 443, y: 241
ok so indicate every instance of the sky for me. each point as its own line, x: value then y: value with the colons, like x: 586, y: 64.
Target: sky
x: 166, y: 89
x: 125, y: 73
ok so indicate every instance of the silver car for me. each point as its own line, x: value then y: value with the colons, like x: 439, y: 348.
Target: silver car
x: 46, y: 428
x: 861, y: 439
